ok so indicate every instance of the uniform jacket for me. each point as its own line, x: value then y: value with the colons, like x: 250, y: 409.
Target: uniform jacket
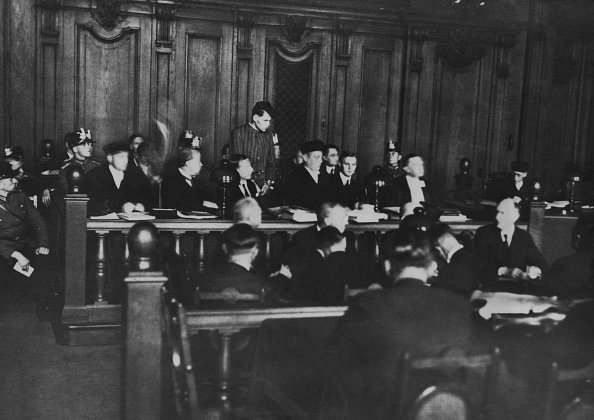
x: 21, y: 225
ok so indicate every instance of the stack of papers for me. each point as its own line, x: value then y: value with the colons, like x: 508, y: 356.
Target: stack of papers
x: 511, y: 303
x: 110, y: 216
x: 195, y: 215
x: 303, y: 216
x: 446, y: 218
x: 137, y: 215
x: 361, y: 216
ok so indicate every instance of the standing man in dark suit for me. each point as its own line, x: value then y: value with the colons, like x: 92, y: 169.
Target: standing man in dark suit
x: 304, y: 186
x: 113, y: 189
x: 257, y: 141
x: 380, y: 326
x: 345, y: 189
x: 508, y: 251
x: 179, y: 190
x: 461, y: 272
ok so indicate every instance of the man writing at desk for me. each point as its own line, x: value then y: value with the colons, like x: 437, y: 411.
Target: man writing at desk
x: 507, y: 250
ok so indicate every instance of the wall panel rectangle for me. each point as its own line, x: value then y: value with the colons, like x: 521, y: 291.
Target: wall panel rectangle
x: 107, y: 85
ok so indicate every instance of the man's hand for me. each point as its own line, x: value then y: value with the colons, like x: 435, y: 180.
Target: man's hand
x: 46, y: 197
x: 517, y: 199
x: 284, y: 270
x: 515, y: 273
x: 265, y: 188
x: 42, y: 251
x: 22, y: 260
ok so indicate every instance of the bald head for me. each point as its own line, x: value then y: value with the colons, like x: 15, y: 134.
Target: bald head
x: 507, y: 213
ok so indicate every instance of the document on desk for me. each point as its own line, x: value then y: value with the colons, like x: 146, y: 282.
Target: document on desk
x: 511, y: 303
x: 196, y: 215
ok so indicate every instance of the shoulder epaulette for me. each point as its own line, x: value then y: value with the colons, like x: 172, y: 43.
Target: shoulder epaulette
x: 66, y: 163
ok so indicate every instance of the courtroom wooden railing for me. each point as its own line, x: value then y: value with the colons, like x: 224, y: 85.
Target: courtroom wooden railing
x: 88, y: 268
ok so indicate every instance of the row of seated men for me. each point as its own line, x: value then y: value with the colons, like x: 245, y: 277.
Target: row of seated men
x: 419, y: 301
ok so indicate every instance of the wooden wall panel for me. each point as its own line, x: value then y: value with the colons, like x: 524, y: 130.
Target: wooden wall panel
x: 107, y: 89
x: 49, y: 99
x: 374, y: 94
x: 4, y: 116
x: 202, y: 89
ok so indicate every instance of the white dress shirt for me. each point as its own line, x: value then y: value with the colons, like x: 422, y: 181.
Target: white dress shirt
x: 118, y: 176
x: 416, y: 189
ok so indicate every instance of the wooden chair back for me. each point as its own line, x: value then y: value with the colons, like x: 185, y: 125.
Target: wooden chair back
x: 179, y: 356
x: 580, y: 404
x: 229, y: 295
x: 456, y: 385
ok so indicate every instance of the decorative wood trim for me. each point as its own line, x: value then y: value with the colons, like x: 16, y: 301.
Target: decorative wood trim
x: 108, y: 13
x: 344, y: 31
x: 245, y: 24
x: 165, y: 15
x: 295, y: 29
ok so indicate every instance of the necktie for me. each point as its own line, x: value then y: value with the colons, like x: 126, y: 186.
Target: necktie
x: 246, y: 191
x: 505, y: 240
x: 348, y: 183
x: 332, y: 171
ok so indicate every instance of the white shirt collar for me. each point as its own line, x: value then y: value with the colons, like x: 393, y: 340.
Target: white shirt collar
x: 416, y: 189
x: 344, y: 178
x: 509, y: 232
x: 453, y: 251
x: 314, y: 174
x: 118, y: 176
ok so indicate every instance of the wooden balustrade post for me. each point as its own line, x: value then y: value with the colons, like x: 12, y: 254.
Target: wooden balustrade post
x: 268, y: 248
x: 536, y: 222
x: 75, y: 256
x: 143, y: 326
x: 177, y: 236
x: 100, y: 268
x: 202, y: 251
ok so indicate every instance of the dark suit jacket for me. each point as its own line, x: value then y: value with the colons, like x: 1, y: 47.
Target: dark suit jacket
x: 302, y: 244
x: 234, y: 275
x: 235, y: 193
x: 461, y: 275
x: 301, y: 189
x: 571, y: 276
x: 378, y: 327
x: 105, y: 197
x: 177, y: 194
x: 522, y: 252
x: 347, y: 196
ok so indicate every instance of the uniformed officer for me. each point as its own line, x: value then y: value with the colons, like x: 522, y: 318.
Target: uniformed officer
x: 24, y: 242
x: 81, y: 145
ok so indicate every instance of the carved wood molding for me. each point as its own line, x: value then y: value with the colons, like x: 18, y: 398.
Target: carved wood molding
x: 165, y: 14
x: 49, y: 27
x: 295, y: 29
x: 344, y: 30
x: 245, y: 23
x: 108, y: 13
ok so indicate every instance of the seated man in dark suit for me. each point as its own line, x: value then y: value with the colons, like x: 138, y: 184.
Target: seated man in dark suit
x: 461, y: 271
x: 344, y: 188
x: 113, y: 189
x: 245, y: 187
x: 241, y: 249
x: 521, y: 188
x: 305, y: 186
x: 506, y: 250
x: 331, y: 158
x: 179, y: 189
x: 303, y: 242
x: 381, y: 325
x: 412, y: 187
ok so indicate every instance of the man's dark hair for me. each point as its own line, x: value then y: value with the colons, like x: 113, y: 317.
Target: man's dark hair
x: 261, y: 107
x: 406, y: 249
x: 185, y: 154
x: 405, y: 159
x: 239, y: 239
x: 133, y: 136
x: 327, y: 237
x: 346, y: 154
x: 327, y: 147
x: 236, y: 159
x: 439, y: 230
